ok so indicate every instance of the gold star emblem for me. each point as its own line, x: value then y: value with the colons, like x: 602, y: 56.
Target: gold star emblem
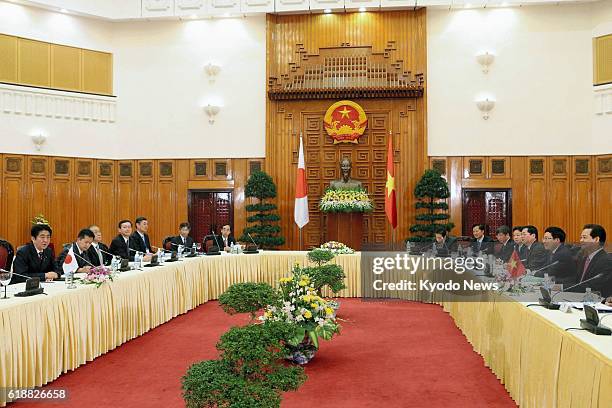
x: 345, y: 112
x: 390, y: 184
x: 512, y: 263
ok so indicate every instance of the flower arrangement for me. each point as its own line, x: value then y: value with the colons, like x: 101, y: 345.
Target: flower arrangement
x: 345, y: 200
x: 39, y: 219
x: 97, y: 276
x: 300, y: 305
x: 337, y: 248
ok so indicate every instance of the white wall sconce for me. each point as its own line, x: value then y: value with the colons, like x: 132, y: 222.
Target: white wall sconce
x: 485, y: 106
x: 39, y: 140
x: 211, y: 111
x: 485, y: 59
x: 212, y: 70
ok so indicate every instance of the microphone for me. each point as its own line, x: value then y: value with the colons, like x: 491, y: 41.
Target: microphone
x: 215, y: 239
x: 599, y: 275
x: 18, y: 274
x: 83, y: 259
x: 252, y: 240
x: 545, y: 267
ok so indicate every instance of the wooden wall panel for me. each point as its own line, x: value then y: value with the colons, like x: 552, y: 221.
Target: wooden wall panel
x: 399, y: 36
x: 105, y: 215
x: 8, y: 58
x: 97, y: 72
x: 13, y: 217
x: 62, y: 205
x: 34, y: 63
x: 563, y: 191
x: 126, y: 195
x: 37, y: 187
x: 66, y: 70
x: 84, y: 193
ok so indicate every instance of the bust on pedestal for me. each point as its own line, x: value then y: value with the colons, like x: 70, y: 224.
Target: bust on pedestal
x: 345, y: 226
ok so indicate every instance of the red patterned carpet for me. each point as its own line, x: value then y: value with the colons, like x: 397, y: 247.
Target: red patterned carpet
x: 396, y: 354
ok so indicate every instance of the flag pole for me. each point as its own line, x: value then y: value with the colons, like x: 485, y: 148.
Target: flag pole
x: 301, y: 247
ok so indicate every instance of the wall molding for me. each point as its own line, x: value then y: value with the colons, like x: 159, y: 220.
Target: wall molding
x: 26, y: 101
x: 602, y: 99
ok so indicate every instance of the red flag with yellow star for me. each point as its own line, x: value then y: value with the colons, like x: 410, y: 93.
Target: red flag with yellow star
x: 390, y: 204
x: 515, y: 266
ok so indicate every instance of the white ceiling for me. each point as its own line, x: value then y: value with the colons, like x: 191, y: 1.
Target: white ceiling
x: 117, y: 10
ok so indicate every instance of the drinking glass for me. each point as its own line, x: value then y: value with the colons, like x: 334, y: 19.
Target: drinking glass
x: 5, y: 279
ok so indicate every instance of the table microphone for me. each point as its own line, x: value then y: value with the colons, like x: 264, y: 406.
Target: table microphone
x: 599, y: 275
x: 545, y: 267
x: 83, y: 259
x: 252, y: 240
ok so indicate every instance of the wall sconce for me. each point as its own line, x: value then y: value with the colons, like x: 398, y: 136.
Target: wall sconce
x: 39, y: 140
x: 485, y: 106
x: 211, y: 111
x: 212, y: 70
x: 485, y: 59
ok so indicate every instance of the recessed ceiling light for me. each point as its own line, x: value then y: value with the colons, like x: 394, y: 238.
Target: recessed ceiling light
x: 63, y: 10
x: 362, y: 9
x: 327, y: 11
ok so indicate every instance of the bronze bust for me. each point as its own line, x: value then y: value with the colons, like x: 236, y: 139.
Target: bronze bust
x: 346, y: 182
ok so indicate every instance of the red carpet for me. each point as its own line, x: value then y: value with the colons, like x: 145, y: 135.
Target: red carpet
x: 396, y: 354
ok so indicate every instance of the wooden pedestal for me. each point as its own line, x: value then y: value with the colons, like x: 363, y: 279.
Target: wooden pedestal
x: 346, y: 228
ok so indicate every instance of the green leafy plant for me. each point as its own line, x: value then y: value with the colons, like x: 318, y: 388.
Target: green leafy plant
x: 249, y: 372
x: 248, y: 297
x: 265, y: 231
x: 324, y: 274
x: 431, y: 190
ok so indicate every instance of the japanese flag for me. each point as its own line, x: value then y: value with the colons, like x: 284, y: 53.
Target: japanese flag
x: 70, y: 262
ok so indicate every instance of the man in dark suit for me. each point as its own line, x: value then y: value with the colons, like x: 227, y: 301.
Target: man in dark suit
x: 562, y: 266
x: 35, y: 259
x: 519, y: 245
x: 595, y: 261
x: 98, y: 252
x: 537, y: 256
x: 506, y: 244
x: 80, y: 248
x: 121, y: 243
x: 226, y: 239
x: 183, y: 237
x: 481, y: 241
x: 445, y: 244
x: 139, y: 241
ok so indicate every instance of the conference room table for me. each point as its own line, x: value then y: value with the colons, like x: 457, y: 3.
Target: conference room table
x: 527, y: 348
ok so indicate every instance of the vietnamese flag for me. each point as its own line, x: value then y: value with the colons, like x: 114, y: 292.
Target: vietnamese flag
x: 390, y: 204
x: 300, y: 211
x: 515, y: 266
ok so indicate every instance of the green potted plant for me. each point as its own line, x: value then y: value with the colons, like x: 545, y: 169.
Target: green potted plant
x: 265, y: 231
x: 248, y: 297
x: 249, y: 372
x: 431, y: 192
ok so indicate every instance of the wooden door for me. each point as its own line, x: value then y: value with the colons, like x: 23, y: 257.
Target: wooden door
x: 490, y: 207
x: 209, y: 211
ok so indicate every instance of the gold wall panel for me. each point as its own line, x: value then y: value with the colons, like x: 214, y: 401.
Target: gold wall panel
x: 65, y: 67
x: 8, y: 58
x: 602, y: 60
x: 97, y: 72
x: 34, y: 63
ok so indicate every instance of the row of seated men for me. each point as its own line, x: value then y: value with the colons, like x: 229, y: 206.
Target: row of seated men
x: 566, y: 264
x: 36, y: 259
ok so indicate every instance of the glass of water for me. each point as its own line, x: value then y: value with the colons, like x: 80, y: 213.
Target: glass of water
x: 5, y: 279
x: 70, y: 280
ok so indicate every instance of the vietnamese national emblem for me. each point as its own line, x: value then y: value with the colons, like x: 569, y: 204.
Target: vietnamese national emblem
x: 345, y: 121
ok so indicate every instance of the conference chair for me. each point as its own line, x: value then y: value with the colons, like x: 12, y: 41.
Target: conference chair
x: 167, y: 243
x: 6, y: 254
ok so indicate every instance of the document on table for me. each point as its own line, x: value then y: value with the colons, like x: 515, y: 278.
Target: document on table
x: 600, y: 307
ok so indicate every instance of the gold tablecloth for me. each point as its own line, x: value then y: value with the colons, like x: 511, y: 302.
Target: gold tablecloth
x: 540, y: 364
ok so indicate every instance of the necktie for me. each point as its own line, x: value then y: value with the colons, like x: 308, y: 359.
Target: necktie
x: 40, y: 255
x: 183, y: 240
x: 100, y: 255
x: 587, y: 261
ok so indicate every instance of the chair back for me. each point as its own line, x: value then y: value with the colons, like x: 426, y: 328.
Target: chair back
x: 167, y: 244
x: 6, y: 254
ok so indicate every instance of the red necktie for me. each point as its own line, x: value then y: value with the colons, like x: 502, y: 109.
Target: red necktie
x: 587, y: 261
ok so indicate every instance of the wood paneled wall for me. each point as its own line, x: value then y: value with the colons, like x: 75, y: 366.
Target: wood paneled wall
x: 400, y: 36
x: 564, y: 191
x: 73, y: 193
x: 37, y: 63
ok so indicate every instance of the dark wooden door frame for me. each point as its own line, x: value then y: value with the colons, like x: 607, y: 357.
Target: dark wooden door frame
x: 483, y: 189
x: 211, y: 190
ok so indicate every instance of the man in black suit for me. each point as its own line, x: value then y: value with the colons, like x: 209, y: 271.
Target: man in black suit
x: 481, y: 241
x: 183, y: 237
x: 80, y: 248
x: 537, y: 256
x: 445, y: 244
x: 120, y: 244
x: 595, y: 261
x: 519, y: 245
x: 98, y: 252
x: 564, y: 270
x: 506, y: 248
x: 226, y: 239
x: 139, y: 241
x: 35, y: 259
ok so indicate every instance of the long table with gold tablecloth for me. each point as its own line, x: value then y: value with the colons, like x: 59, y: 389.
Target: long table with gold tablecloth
x: 41, y: 337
